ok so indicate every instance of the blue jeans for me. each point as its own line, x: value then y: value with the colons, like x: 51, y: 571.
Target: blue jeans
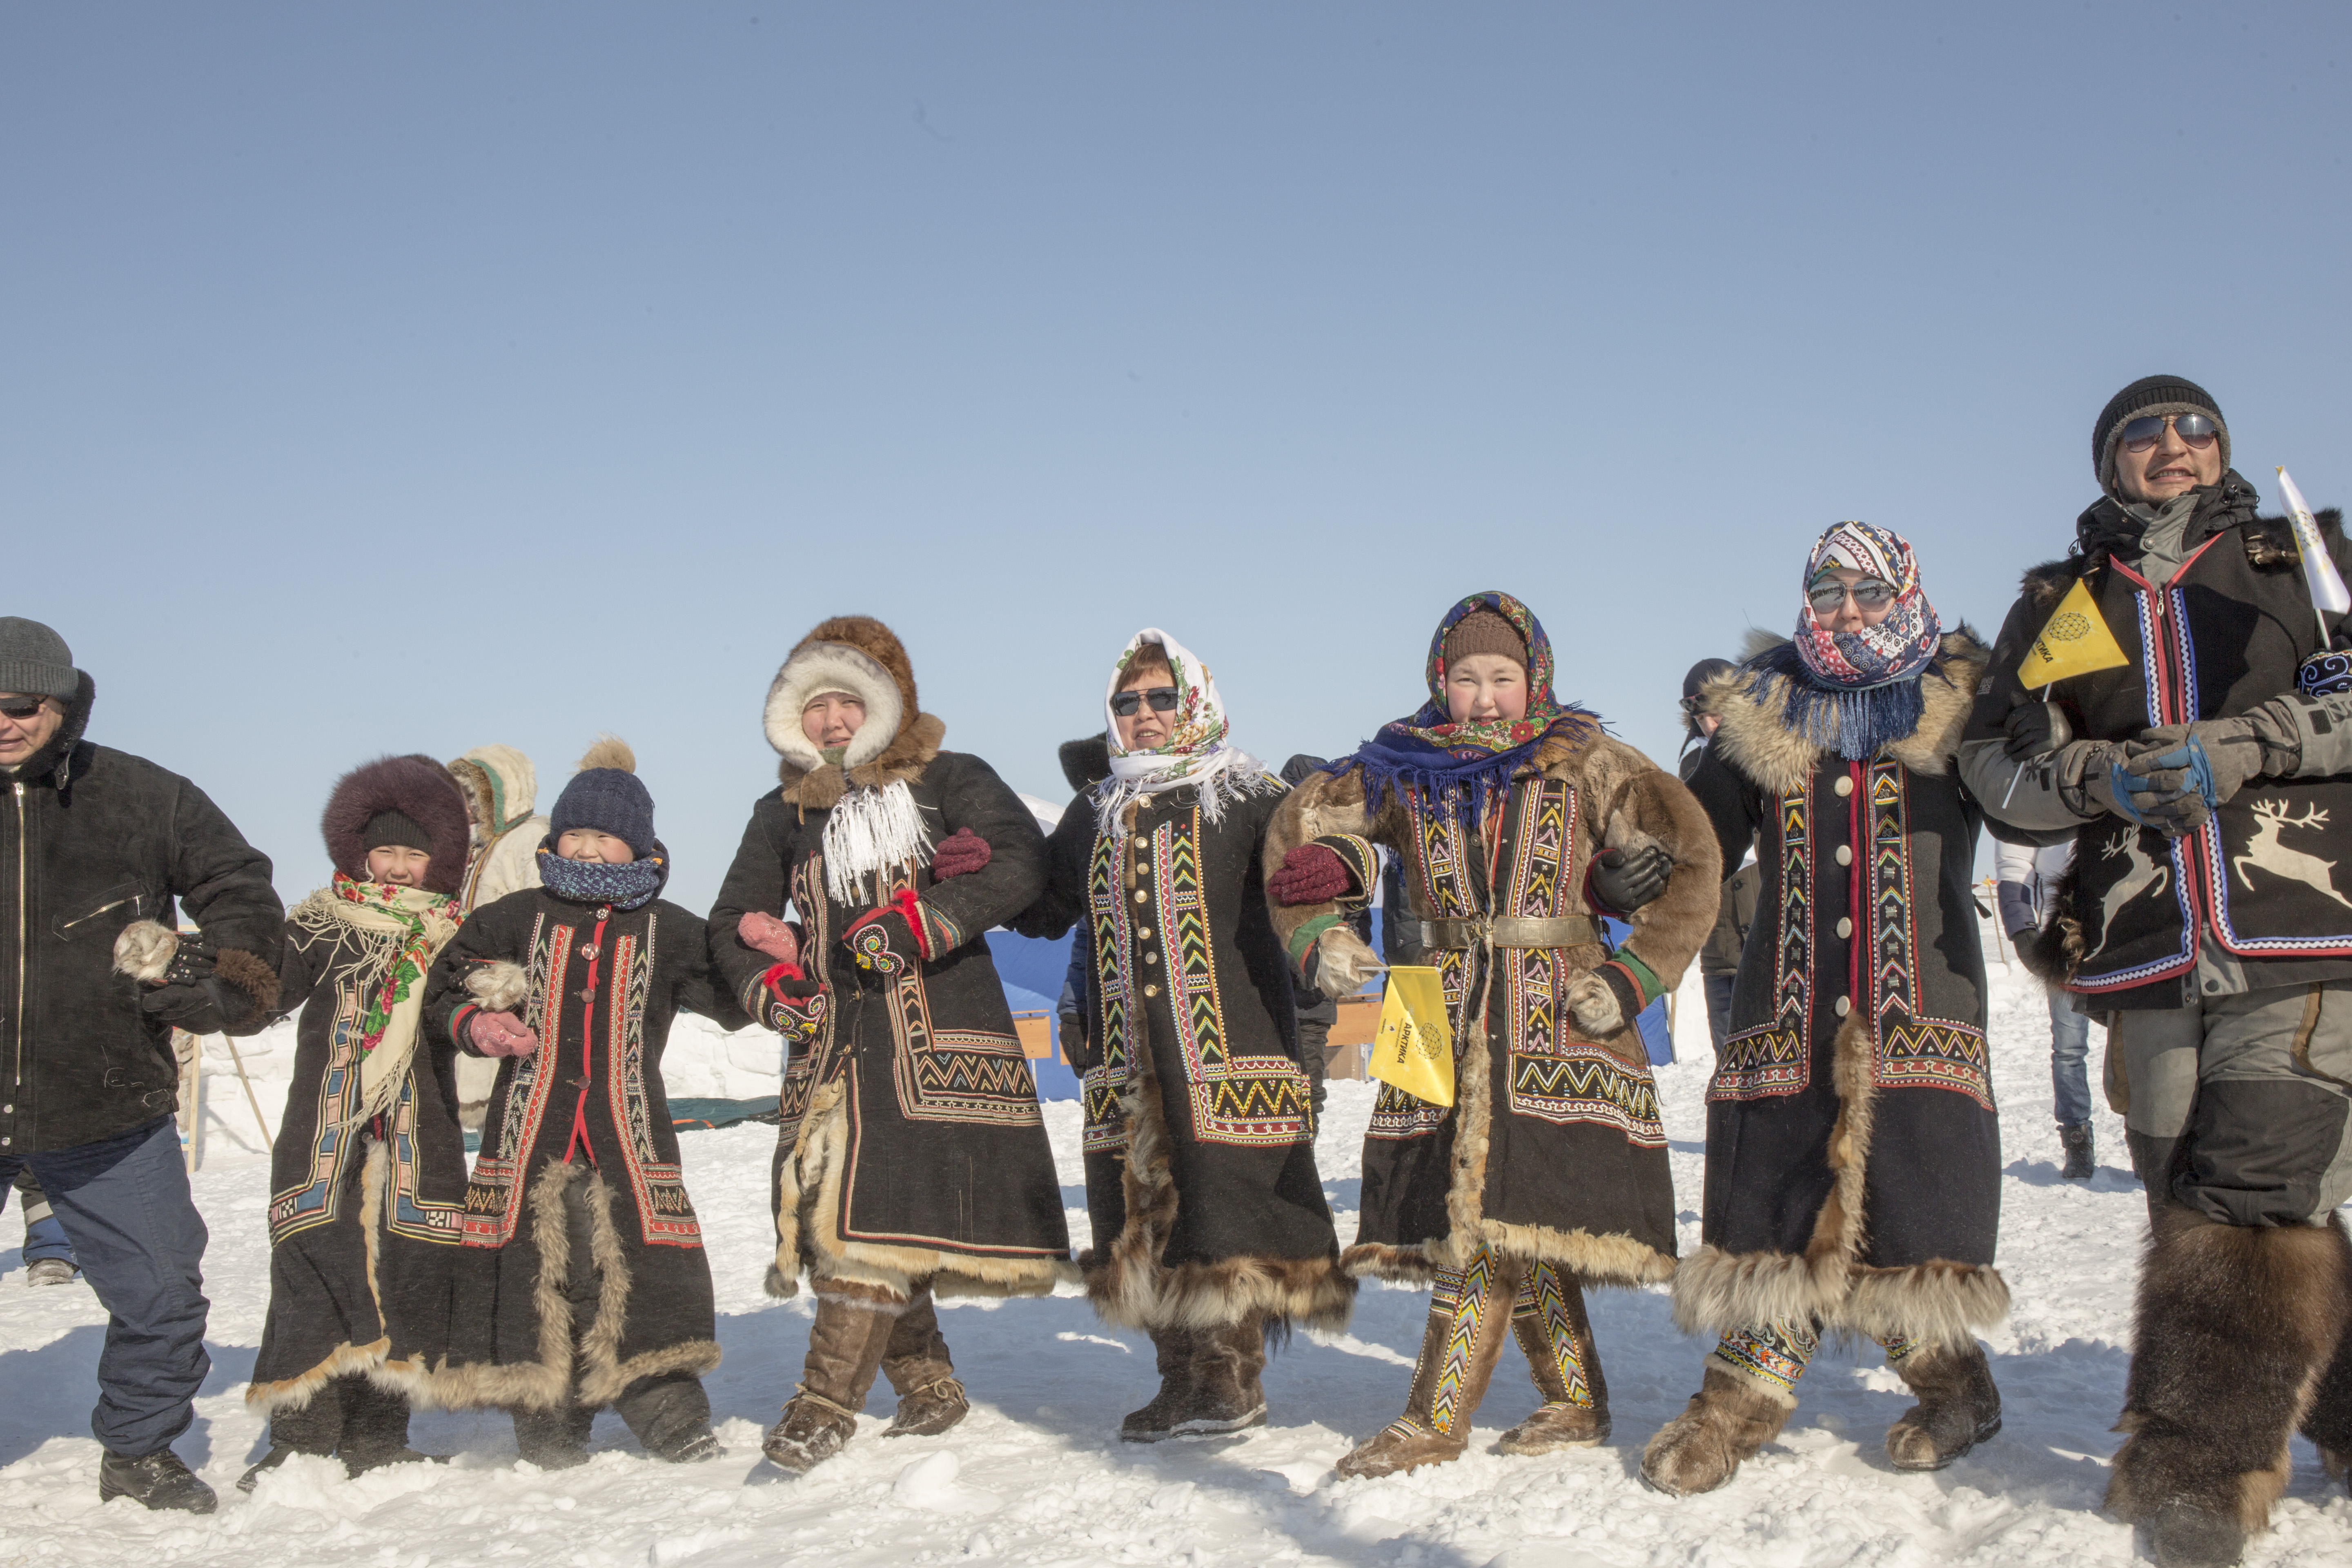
x: 46, y: 1238
x: 125, y: 1206
x: 2070, y: 1047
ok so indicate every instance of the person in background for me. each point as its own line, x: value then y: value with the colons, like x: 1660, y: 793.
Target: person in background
x: 2027, y: 877
x: 1317, y: 1012
x: 48, y: 1255
x: 500, y: 788
x: 1086, y: 762
x: 1719, y: 961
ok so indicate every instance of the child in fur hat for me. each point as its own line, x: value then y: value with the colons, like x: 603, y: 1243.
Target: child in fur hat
x: 368, y: 1175
x: 594, y: 1290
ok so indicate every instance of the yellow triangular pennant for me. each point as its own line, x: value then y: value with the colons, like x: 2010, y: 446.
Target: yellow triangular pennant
x: 2075, y: 642
x: 1413, y: 1046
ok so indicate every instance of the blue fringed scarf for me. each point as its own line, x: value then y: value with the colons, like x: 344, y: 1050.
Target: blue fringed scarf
x: 626, y: 887
x: 1855, y: 692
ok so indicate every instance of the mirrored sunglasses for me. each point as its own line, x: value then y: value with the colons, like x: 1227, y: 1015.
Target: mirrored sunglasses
x: 2195, y: 429
x: 1162, y: 698
x: 20, y: 708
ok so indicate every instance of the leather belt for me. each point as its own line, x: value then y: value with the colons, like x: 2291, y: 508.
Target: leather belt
x: 1500, y: 931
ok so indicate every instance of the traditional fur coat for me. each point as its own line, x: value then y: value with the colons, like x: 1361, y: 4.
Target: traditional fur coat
x: 1852, y: 1147
x: 1200, y: 1143
x: 1552, y: 1150
x: 600, y: 986
x: 368, y: 1175
x: 911, y: 1149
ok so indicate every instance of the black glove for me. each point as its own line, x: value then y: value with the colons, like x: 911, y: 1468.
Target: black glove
x: 2035, y: 730
x: 1622, y: 883
x: 1075, y: 1048
x: 189, y: 993
x: 2028, y: 943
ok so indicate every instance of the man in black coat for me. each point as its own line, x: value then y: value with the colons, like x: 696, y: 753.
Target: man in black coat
x: 95, y: 847
x: 2204, y: 776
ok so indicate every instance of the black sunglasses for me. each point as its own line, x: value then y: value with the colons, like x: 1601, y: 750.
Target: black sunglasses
x: 1825, y: 597
x: 2143, y: 433
x: 1162, y: 698
x: 23, y: 707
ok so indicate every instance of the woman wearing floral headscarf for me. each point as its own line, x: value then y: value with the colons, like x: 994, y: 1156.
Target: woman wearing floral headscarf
x: 1852, y: 1149
x: 1517, y: 823
x: 1209, y: 1217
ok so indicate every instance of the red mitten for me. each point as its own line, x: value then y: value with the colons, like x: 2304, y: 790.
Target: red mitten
x: 1310, y: 874
x: 789, y: 984
x: 960, y: 855
x: 502, y: 1035
x: 763, y: 933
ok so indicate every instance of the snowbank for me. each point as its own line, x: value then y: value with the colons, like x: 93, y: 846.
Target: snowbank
x: 1037, y: 1476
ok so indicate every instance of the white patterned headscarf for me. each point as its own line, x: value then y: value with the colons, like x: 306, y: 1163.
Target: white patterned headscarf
x: 1196, y: 753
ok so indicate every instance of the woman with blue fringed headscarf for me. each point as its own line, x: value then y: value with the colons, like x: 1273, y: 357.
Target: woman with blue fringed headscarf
x: 1516, y: 822
x: 1852, y: 1149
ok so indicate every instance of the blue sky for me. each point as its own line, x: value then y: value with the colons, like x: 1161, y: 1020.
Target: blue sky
x: 401, y: 378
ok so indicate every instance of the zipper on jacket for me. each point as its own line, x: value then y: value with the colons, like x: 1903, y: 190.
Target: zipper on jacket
x: 93, y: 914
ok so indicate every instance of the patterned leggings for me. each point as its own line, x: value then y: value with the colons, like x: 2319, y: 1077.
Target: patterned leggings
x: 1540, y: 1318
x: 1776, y: 1353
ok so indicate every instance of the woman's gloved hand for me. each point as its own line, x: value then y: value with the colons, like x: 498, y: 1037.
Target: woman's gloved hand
x: 959, y: 855
x: 1623, y: 882
x: 1310, y: 874
x: 763, y: 933
x: 501, y: 1035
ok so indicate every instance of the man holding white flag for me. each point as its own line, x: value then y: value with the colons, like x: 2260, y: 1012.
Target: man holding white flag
x: 2168, y: 698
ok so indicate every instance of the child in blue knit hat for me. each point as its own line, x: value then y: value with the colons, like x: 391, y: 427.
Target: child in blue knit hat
x: 592, y: 1289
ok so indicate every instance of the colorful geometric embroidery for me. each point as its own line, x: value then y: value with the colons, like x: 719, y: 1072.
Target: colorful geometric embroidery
x: 313, y: 1201
x: 494, y: 1196
x: 666, y: 1215
x: 1544, y: 1299
x: 1466, y: 1298
x: 1776, y: 1353
x: 406, y: 1214
x: 1449, y: 889
x: 1912, y: 1051
x: 1582, y: 1082
x: 1109, y: 928
x: 1776, y: 1057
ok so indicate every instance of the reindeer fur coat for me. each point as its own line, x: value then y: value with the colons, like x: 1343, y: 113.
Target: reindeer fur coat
x: 1852, y: 1147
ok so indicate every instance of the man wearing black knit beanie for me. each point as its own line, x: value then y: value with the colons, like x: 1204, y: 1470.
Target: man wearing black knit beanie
x: 2198, y: 755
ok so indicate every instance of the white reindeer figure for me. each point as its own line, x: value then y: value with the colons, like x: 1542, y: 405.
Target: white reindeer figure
x: 2146, y: 876
x: 2265, y: 851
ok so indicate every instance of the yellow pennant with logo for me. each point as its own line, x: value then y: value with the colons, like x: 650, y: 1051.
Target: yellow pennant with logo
x: 2075, y: 642
x: 1413, y: 1046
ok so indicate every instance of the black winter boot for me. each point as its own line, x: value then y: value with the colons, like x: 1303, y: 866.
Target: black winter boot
x: 154, y: 1481
x: 2082, y: 1159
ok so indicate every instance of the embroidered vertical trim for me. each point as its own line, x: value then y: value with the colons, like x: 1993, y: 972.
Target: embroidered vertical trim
x: 494, y: 1196
x: 1775, y: 1058
x: 1543, y: 1300
x: 1912, y: 1051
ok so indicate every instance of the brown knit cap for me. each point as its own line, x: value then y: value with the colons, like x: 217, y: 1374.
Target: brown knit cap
x: 1484, y: 631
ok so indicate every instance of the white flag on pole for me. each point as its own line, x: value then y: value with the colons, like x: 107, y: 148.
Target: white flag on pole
x: 2328, y: 590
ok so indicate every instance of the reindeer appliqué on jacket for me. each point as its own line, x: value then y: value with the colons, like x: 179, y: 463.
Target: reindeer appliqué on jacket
x: 2265, y: 851
x: 2146, y: 876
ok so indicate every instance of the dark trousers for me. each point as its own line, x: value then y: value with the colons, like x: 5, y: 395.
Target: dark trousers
x: 350, y: 1416
x: 125, y: 1206
x: 1718, y: 1007
x: 663, y: 1411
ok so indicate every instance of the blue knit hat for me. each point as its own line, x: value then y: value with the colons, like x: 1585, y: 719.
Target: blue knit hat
x: 607, y: 796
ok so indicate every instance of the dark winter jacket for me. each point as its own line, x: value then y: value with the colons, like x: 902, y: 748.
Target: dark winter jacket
x: 1853, y: 1148
x: 912, y: 1150
x: 1552, y: 1150
x: 366, y: 1212
x: 2225, y: 636
x: 600, y: 986
x: 1200, y: 1142
x: 90, y: 840
x: 1728, y: 940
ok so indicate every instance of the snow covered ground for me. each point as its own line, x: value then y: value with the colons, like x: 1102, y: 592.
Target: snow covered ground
x: 1036, y: 1475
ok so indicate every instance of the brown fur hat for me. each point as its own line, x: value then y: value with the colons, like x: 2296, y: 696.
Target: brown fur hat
x: 860, y: 655
x: 417, y: 787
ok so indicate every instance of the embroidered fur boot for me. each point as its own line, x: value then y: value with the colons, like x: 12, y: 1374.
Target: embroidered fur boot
x: 916, y: 1362
x: 1727, y: 1421
x: 2235, y: 1326
x: 1226, y: 1393
x: 1556, y: 1335
x: 1178, y: 1371
x: 845, y: 1352
x: 1958, y: 1406
x: 1459, y: 1345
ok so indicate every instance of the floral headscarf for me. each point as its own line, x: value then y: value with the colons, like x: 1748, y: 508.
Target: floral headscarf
x: 1856, y: 693
x: 1196, y: 753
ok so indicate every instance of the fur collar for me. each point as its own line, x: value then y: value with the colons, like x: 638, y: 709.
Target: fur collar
x: 859, y: 655
x: 2269, y: 543
x: 1755, y: 741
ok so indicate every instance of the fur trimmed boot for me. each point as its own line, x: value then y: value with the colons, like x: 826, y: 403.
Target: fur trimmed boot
x: 845, y: 1352
x: 1174, y: 1350
x: 2236, y: 1327
x: 1556, y: 1336
x: 1958, y: 1406
x: 916, y: 1362
x: 2082, y: 1156
x: 1726, y: 1423
x: 1459, y: 1345
x: 1226, y: 1393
